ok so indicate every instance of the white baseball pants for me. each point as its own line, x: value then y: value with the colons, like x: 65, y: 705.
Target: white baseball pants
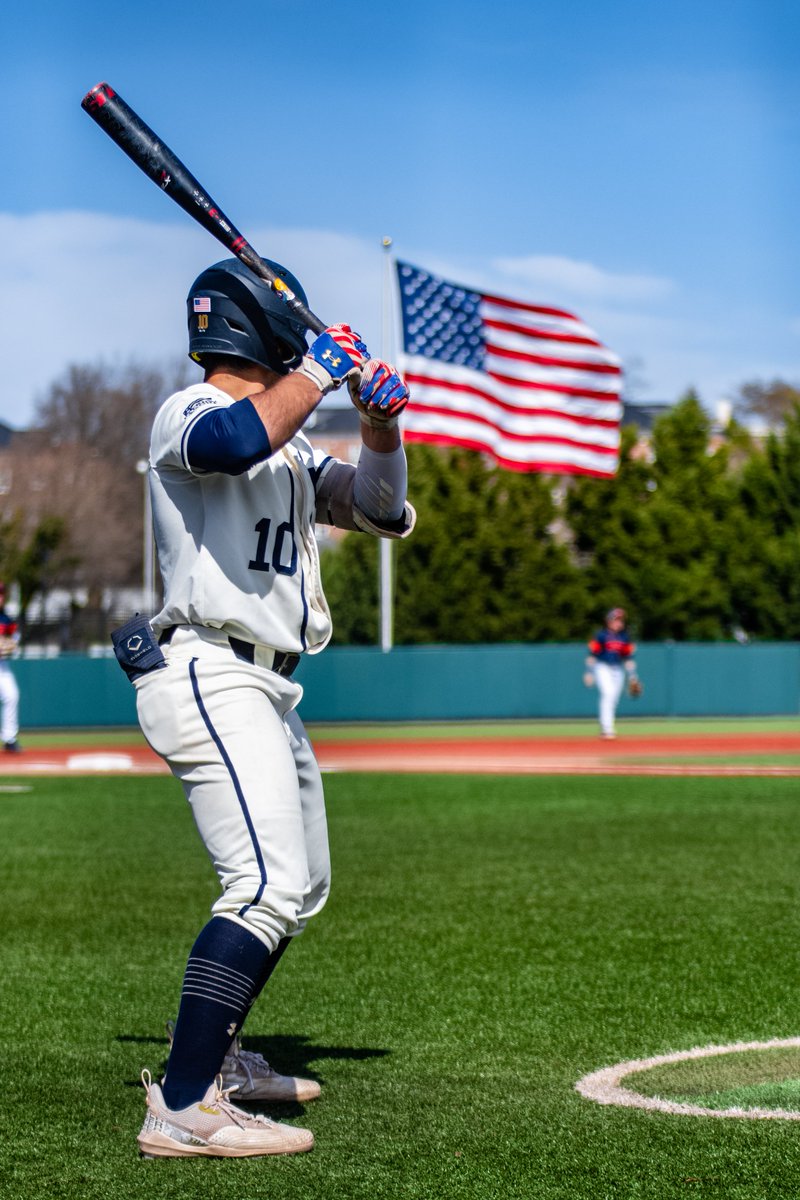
x: 229, y: 732
x: 610, y: 680
x: 9, y: 699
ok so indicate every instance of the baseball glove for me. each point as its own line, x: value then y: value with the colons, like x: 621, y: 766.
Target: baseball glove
x: 635, y: 687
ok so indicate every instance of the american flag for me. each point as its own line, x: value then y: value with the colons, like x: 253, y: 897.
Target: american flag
x: 531, y: 386
x: 202, y: 304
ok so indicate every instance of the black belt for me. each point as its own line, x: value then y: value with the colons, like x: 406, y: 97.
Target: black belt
x: 282, y: 663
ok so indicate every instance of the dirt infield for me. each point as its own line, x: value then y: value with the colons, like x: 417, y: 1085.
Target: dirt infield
x: 635, y: 755
x: 569, y: 756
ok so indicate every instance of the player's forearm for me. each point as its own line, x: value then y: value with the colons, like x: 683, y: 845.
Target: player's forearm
x: 379, y: 488
x: 286, y: 407
x: 384, y: 441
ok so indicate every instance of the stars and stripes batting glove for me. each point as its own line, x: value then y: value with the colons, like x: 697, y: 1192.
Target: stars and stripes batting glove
x: 333, y: 357
x: 380, y: 395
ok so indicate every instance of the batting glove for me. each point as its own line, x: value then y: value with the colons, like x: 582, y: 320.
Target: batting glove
x: 333, y: 357
x: 380, y: 394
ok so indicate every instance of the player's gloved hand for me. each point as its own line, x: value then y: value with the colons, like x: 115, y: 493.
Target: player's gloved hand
x: 333, y: 356
x: 379, y: 394
x: 588, y: 679
x: 635, y: 687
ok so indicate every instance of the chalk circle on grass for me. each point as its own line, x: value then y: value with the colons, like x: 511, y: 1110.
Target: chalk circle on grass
x: 779, y: 1075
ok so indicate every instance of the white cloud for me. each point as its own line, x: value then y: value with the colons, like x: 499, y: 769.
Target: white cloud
x: 576, y: 280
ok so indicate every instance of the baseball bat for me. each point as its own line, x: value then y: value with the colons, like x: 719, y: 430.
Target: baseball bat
x: 159, y: 163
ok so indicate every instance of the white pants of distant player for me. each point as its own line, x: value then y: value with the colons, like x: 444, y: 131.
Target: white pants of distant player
x: 9, y: 699
x: 610, y: 680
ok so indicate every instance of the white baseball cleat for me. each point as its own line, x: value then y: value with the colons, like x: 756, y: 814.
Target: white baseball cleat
x: 213, y: 1128
x: 255, y: 1079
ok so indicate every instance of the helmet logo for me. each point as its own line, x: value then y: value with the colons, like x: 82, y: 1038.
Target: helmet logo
x: 202, y: 304
x: 202, y: 321
x: 281, y: 288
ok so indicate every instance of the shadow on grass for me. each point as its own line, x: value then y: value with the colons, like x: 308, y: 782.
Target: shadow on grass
x: 291, y: 1054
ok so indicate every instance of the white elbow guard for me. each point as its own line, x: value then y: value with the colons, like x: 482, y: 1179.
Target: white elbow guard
x: 399, y: 528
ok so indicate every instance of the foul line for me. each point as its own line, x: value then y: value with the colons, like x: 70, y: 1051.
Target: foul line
x: 604, y: 1086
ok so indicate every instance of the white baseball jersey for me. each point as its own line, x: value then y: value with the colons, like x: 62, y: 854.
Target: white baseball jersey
x: 237, y: 552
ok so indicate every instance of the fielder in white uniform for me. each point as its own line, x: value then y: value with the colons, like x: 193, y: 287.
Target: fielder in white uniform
x: 237, y: 490
x: 9, y: 691
x: 609, y: 663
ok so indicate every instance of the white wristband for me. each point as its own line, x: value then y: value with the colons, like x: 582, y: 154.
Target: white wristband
x: 317, y: 374
x: 377, y: 422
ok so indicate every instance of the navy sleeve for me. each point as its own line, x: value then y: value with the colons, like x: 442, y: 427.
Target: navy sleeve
x: 229, y: 440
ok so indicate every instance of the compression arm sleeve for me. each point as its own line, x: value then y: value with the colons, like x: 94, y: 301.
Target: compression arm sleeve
x: 380, y: 484
x: 229, y: 440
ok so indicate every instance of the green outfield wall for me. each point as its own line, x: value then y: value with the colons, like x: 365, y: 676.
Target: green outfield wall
x: 437, y: 683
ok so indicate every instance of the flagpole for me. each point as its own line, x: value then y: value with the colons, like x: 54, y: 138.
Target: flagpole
x: 385, y: 553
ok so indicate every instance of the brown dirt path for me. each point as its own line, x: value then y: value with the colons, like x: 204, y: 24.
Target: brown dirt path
x: 568, y: 756
x: 519, y: 756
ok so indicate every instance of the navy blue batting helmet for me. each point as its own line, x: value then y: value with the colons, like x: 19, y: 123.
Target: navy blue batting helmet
x: 233, y: 312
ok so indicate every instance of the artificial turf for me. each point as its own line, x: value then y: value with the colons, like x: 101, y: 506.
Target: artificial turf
x: 488, y: 941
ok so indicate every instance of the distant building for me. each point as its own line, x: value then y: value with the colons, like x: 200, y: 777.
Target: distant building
x: 336, y: 429
x: 6, y: 434
x: 644, y: 414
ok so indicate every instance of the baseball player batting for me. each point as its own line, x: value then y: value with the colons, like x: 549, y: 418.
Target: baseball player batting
x: 609, y: 663
x: 236, y: 490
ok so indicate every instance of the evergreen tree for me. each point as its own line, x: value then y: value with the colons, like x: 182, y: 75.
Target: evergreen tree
x: 654, y: 536
x: 698, y: 536
x: 764, y: 537
x: 484, y: 564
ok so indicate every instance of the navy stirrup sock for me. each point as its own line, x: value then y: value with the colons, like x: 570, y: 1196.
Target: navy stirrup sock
x: 226, y: 970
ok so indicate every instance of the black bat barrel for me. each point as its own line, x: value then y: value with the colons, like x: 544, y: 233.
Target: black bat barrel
x: 159, y: 163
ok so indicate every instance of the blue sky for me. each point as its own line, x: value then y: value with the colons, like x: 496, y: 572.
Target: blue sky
x: 637, y: 163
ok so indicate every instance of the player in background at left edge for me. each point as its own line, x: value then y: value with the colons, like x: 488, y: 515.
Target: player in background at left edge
x: 9, y: 689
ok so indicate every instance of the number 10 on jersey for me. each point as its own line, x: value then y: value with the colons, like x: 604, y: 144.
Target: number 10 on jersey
x: 274, y: 561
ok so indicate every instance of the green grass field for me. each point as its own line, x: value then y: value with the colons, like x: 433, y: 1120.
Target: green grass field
x: 488, y: 941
